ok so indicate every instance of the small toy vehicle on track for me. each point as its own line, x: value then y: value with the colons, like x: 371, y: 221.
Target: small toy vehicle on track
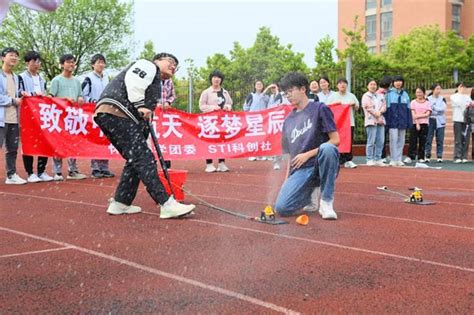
x: 267, y: 214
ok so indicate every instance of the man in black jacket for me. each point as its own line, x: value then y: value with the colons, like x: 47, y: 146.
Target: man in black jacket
x: 122, y: 112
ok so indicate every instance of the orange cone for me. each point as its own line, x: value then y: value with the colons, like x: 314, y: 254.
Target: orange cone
x: 302, y: 219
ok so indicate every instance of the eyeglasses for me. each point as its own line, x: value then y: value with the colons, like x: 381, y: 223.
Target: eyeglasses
x: 172, y: 62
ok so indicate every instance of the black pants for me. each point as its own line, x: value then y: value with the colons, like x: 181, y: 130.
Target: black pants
x: 462, y: 135
x: 385, y: 147
x: 10, y: 134
x: 209, y: 161
x: 346, y: 157
x: 28, y: 163
x: 417, y: 142
x: 130, y: 139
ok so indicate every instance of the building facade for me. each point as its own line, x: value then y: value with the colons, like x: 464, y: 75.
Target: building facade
x: 384, y: 19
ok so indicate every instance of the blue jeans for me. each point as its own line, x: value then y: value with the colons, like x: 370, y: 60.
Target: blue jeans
x: 375, y: 142
x: 439, y: 133
x: 296, y: 190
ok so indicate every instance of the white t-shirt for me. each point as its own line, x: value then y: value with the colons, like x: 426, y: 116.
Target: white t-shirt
x: 36, y: 84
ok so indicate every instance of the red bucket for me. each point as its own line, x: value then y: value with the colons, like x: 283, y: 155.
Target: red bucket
x: 177, y: 178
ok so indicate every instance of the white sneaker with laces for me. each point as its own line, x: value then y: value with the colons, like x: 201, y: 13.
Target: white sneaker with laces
x: 173, y: 209
x: 313, y: 206
x: 58, y: 178
x: 380, y: 163
x: 439, y: 160
x: 400, y: 163
x: 33, y: 178
x: 407, y: 160
x: 276, y: 166
x: 222, y: 167
x: 457, y: 161
x: 421, y: 161
x: 117, y: 208
x: 45, y: 177
x: 464, y: 160
x: 76, y: 175
x: 252, y: 158
x: 262, y: 158
x: 210, y: 168
x: 326, y: 210
x: 15, y: 180
x: 393, y: 163
x: 350, y: 164
x: 371, y: 163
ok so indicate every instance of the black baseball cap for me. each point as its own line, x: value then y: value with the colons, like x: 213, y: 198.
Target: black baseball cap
x: 7, y: 50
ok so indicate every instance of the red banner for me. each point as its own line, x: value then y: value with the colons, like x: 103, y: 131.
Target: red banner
x: 56, y: 127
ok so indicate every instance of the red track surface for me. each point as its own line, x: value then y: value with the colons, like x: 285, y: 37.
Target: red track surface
x: 61, y: 253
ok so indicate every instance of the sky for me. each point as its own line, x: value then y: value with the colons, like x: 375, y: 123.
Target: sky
x: 199, y: 29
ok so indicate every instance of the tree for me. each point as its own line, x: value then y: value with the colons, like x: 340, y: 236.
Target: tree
x: 79, y: 27
x: 427, y: 50
x: 148, y: 51
x: 265, y: 60
x: 324, y: 55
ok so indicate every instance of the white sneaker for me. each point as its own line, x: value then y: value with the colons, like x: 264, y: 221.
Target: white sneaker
x: 173, y: 209
x: 116, y: 208
x: 400, y: 163
x: 371, y: 163
x: 313, y: 206
x: 58, y: 178
x: 15, y: 180
x: 276, y: 166
x: 76, y: 175
x: 33, y: 178
x: 262, y: 158
x: 326, y: 210
x: 385, y: 160
x: 464, y: 160
x: 393, y: 163
x: 421, y: 161
x: 45, y: 177
x: 222, y: 167
x: 439, y: 160
x: 252, y: 158
x: 457, y: 161
x: 380, y: 163
x: 407, y: 160
x: 210, y: 168
x: 350, y: 164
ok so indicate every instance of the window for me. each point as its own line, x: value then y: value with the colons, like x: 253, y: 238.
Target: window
x: 383, y: 48
x: 370, y: 4
x: 386, y: 3
x: 386, y: 25
x: 370, y: 28
x: 456, y: 18
x: 372, y: 49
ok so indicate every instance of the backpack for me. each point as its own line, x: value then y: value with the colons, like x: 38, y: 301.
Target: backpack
x: 469, y: 114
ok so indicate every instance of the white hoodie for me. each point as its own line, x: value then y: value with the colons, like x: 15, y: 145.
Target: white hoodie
x: 459, y: 103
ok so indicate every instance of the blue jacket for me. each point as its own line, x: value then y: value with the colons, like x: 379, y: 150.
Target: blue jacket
x: 26, y: 83
x: 6, y: 100
x: 398, y: 114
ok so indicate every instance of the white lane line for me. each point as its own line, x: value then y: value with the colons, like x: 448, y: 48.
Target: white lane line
x: 35, y: 252
x: 310, y: 240
x: 357, y: 249
x: 260, y: 203
x: 161, y: 273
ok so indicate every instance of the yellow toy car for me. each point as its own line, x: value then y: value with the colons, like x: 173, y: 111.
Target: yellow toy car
x: 416, y: 196
x: 267, y: 214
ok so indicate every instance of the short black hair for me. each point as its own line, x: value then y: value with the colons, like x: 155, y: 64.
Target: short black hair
x: 385, y: 82
x: 398, y: 78
x: 422, y: 88
x: 65, y: 58
x: 7, y: 50
x: 164, y: 55
x: 96, y: 58
x: 340, y: 80
x: 325, y: 78
x: 32, y: 55
x: 294, y: 79
x: 216, y: 73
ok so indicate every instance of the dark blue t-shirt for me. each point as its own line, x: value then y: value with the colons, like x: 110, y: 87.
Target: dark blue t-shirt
x: 306, y: 130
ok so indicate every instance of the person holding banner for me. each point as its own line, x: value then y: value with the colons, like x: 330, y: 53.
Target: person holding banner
x: 122, y: 113
x: 32, y: 83
x: 215, y: 98
x: 92, y: 87
x: 9, y: 114
x: 67, y: 86
x: 310, y: 137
